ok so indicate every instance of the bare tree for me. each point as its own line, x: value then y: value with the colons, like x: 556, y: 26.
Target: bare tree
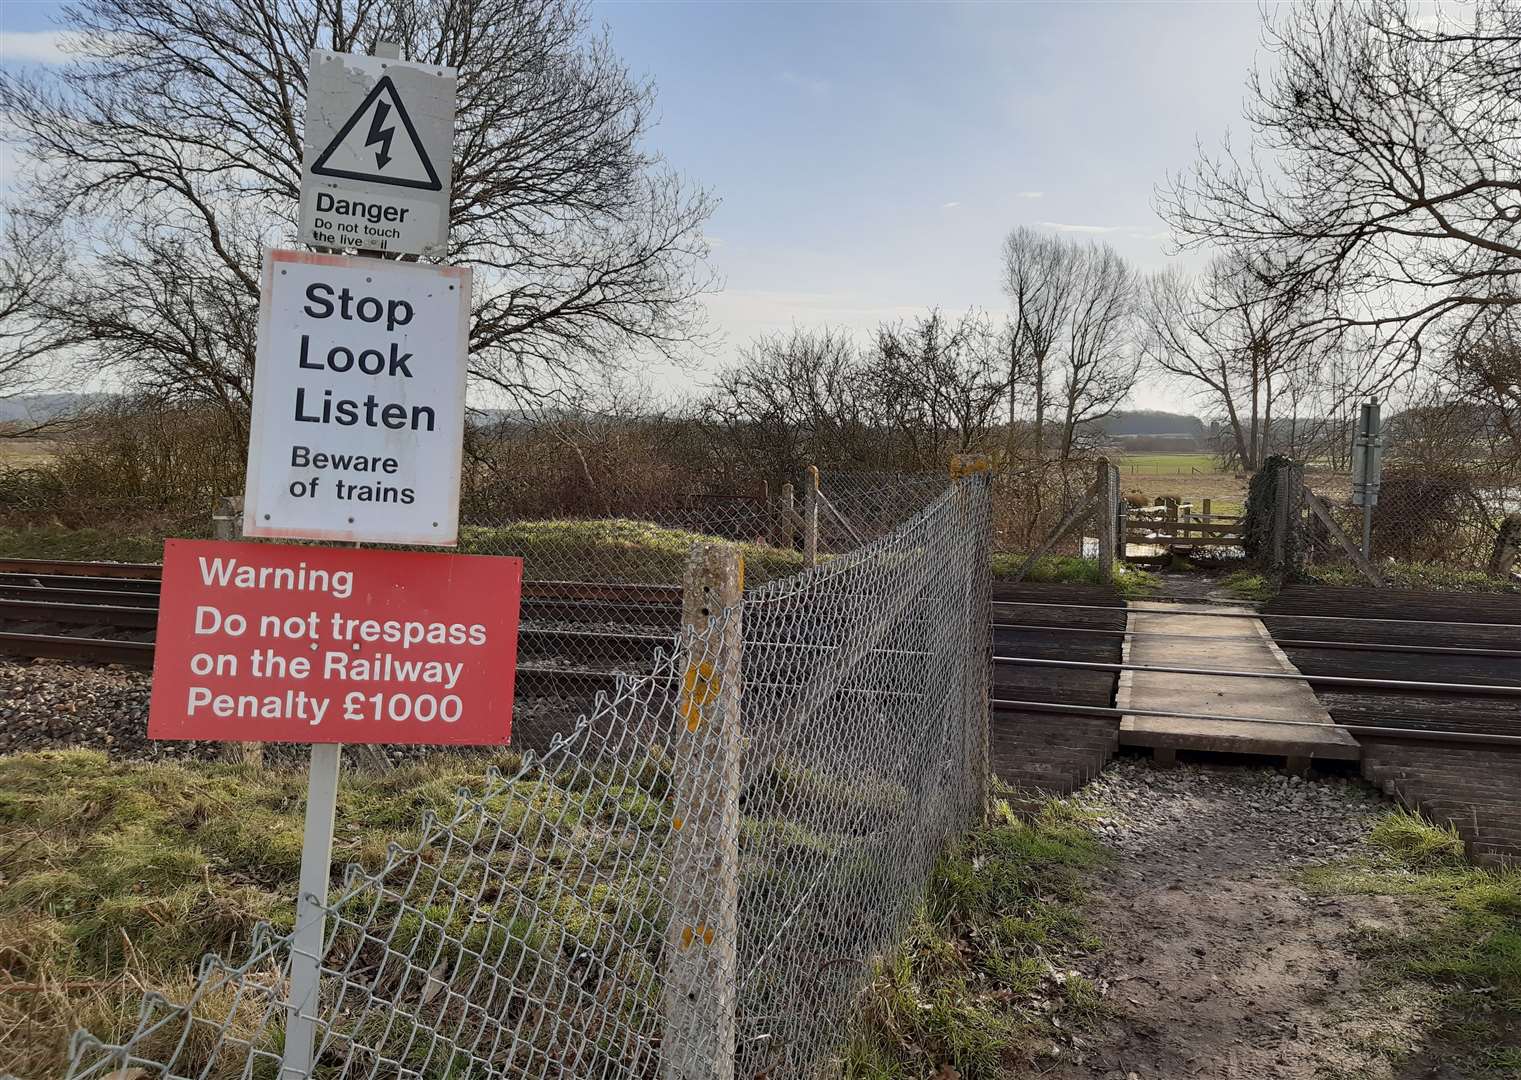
x: 1384, y: 171
x: 943, y: 382
x: 793, y: 400
x: 173, y: 140
x: 1038, y: 278
x: 1098, y: 366
x: 33, y: 271
x: 1237, y: 339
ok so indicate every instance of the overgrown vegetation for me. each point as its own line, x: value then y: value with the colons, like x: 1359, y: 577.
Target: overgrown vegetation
x: 962, y: 989
x: 116, y: 877
x: 1462, y: 944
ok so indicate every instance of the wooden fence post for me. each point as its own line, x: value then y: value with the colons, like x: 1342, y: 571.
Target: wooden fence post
x: 701, y: 955
x: 811, y: 518
x: 1105, y: 515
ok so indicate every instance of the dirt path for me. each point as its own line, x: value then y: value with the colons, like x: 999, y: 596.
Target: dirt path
x: 1215, y: 964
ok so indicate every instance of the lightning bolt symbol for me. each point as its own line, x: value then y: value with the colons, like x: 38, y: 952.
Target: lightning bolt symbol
x: 381, y: 132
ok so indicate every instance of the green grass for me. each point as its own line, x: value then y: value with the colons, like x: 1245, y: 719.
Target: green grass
x: 1133, y: 582
x: 1404, y: 575
x: 1461, y: 945
x: 57, y: 542
x: 116, y: 877
x: 972, y: 986
x: 613, y: 549
x: 1249, y: 585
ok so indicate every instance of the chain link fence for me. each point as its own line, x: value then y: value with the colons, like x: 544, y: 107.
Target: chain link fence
x: 646, y: 540
x: 694, y: 882
x: 1430, y: 527
x: 1440, y: 528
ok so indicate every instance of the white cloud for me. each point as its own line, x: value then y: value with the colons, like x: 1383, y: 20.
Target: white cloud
x: 1058, y: 226
x: 34, y: 46
x: 949, y: 205
x: 1029, y: 194
x: 808, y: 84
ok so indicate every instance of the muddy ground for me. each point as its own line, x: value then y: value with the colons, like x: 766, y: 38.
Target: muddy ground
x: 1215, y: 962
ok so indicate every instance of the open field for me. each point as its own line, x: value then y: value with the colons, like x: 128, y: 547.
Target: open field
x: 1165, y: 464
x: 25, y: 453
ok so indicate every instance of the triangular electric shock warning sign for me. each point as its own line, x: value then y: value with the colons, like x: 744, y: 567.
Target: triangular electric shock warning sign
x: 379, y: 144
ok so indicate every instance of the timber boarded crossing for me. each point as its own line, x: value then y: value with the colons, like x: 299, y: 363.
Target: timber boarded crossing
x: 1421, y: 689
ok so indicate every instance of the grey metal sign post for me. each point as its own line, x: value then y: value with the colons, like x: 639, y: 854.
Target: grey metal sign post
x: 1367, y: 467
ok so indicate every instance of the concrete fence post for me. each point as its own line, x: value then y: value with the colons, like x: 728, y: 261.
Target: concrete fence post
x: 227, y: 518
x: 1105, y: 516
x: 811, y: 518
x: 701, y: 943
x: 786, y: 530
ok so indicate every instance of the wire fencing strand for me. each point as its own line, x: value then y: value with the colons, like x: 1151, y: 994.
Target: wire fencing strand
x: 530, y: 932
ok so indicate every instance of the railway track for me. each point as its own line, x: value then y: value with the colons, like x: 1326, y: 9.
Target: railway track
x: 575, y: 639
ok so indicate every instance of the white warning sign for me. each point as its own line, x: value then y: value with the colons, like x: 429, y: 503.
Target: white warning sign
x: 359, y: 400
x: 379, y: 140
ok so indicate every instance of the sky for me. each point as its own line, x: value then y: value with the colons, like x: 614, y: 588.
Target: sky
x: 870, y: 157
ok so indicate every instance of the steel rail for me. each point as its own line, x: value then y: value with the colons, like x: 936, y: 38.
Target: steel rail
x: 63, y: 647
x: 73, y: 568
x: 1418, y: 734
x: 1258, y: 615
x: 79, y: 583
x: 79, y: 596
x: 1504, y: 690
x: 79, y: 614
x: 1369, y: 646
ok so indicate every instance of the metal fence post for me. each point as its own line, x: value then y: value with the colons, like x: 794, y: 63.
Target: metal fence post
x: 1287, y: 497
x: 811, y: 518
x: 1104, y: 514
x: 701, y: 941
x: 787, y: 531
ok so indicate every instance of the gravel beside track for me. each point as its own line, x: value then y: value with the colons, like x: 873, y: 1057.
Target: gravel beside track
x: 65, y: 705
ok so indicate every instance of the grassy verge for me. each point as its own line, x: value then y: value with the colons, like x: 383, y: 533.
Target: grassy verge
x: 1461, y: 946
x: 1132, y: 581
x: 1249, y: 585
x: 59, y: 543
x: 1403, y: 575
x: 975, y: 985
x: 613, y: 549
x: 118, y: 877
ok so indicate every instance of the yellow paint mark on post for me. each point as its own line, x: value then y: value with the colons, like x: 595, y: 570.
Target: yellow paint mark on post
x: 699, y: 688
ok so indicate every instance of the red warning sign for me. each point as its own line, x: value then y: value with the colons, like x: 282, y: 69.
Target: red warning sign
x: 258, y: 643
